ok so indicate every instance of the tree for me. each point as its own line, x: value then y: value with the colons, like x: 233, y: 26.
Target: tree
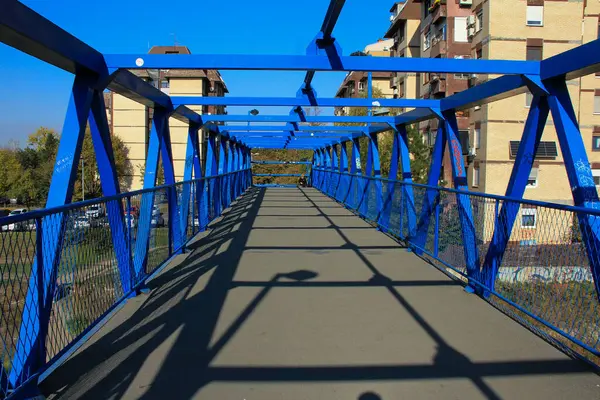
x: 419, y: 152
x: 10, y: 173
x: 93, y: 186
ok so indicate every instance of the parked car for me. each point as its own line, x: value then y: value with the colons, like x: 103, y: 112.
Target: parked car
x: 19, y: 226
x: 95, y: 211
x: 81, y: 222
x: 157, y: 220
x: 130, y: 221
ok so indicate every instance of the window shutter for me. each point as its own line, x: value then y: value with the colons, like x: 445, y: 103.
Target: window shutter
x: 460, y: 29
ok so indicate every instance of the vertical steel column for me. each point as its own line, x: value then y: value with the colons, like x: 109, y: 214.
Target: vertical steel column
x: 192, y: 163
x: 27, y: 356
x: 431, y: 196
x: 465, y: 210
x: 335, y: 169
x: 327, y: 181
x: 503, y: 224
x: 210, y: 169
x: 343, y: 173
x: 355, y: 184
x: 385, y: 213
x: 407, y: 189
x: 230, y: 178
x: 373, y: 169
x: 100, y: 132
x: 579, y: 171
x: 159, y: 122
x: 222, y: 171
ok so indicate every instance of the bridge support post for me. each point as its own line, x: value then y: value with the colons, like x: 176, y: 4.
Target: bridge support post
x: 503, y: 223
x: 343, y: 171
x: 192, y: 168
x: 335, y: 166
x: 355, y: 185
x: 431, y: 195
x: 328, y: 166
x: 100, y: 132
x: 222, y: 170
x: 30, y: 347
x: 229, y: 181
x: 373, y: 169
x: 463, y: 202
x: 579, y: 171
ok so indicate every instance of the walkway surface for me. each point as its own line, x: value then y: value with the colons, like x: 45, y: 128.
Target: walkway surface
x: 291, y: 296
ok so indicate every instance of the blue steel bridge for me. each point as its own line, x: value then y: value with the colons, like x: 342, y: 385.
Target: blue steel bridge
x: 360, y: 286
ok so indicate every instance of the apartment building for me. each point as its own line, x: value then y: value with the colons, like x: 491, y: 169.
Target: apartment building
x: 530, y: 30
x: 355, y: 83
x: 404, y: 31
x: 131, y: 121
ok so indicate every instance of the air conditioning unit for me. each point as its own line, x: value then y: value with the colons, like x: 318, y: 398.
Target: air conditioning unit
x: 465, y: 2
x: 471, y: 31
x: 472, y: 151
x: 396, y: 92
x: 470, y: 20
x: 392, y: 18
x: 477, y: 108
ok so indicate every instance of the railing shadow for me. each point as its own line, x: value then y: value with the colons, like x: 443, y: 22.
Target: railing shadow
x: 179, y: 319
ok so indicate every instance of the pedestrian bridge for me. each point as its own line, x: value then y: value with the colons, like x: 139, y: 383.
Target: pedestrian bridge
x: 290, y: 295
x: 356, y: 284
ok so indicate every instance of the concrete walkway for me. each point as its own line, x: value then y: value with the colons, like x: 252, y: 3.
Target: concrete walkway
x: 290, y: 296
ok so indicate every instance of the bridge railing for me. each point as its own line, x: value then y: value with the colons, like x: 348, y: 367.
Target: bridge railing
x: 542, y: 277
x: 43, y: 316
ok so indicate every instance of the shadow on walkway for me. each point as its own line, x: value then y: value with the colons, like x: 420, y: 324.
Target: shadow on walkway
x: 168, y: 339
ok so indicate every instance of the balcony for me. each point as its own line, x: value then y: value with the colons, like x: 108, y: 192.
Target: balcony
x: 437, y: 85
x: 439, y: 47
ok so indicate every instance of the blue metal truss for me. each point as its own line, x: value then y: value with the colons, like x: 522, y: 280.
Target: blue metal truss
x: 228, y: 148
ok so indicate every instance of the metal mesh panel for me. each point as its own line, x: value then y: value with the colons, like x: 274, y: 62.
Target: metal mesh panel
x: 544, y: 279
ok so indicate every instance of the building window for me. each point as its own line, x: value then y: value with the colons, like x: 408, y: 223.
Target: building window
x: 427, y: 40
x: 164, y: 84
x: 535, y: 15
x: 596, y: 175
x: 547, y: 150
x: 460, y: 29
x: 475, y: 176
x: 596, y: 143
x: 361, y: 86
x: 532, y: 181
x: 479, y: 21
x: 477, y: 138
x: 597, y: 103
x: 528, y: 217
x: 533, y: 53
x: 479, y: 54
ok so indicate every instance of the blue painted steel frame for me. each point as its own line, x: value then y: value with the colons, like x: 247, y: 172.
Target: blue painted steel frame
x: 27, y: 31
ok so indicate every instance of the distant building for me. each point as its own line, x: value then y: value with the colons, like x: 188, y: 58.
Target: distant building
x: 131, y: 121
x: 356, y: 83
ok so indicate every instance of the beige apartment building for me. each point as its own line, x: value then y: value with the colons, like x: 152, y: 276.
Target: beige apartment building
x: 355, y: 83
x: 131, y: 121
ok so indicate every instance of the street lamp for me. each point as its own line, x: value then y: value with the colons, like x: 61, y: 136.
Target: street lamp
x: 253, y: 112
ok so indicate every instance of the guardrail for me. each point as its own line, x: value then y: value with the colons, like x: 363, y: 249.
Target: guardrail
x: 543, y: 278
x: 52, y: 297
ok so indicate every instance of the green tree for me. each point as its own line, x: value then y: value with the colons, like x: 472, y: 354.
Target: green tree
x: 92, y: 183
x: 10, y: 172
x: 420, y: 153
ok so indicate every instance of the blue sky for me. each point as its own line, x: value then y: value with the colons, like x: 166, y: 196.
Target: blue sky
x: 34, y: 94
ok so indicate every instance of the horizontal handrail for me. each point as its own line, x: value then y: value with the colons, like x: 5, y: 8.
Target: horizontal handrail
x: 68, y: 207
x: 564, y: 207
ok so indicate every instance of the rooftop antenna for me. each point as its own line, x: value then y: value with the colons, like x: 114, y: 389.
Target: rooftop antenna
x: 175, y: 43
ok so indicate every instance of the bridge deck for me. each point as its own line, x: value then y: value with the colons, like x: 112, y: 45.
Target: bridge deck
x: 290, y: 296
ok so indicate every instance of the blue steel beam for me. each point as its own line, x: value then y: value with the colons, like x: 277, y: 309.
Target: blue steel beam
x: 302, y: 101
x: 463, y: 201
x: 296, y: 118
x: 105, y: 160
x: 284, y: 128
x: 320, y: 63
x: 29, y: 32
x: 534, y: 127
x: 575, y: 63
x: 29, y: 353
x: 131, y: 86
x: 579, y: 171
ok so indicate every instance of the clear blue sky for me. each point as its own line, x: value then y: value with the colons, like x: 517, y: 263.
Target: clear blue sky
x: 34, y: 94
